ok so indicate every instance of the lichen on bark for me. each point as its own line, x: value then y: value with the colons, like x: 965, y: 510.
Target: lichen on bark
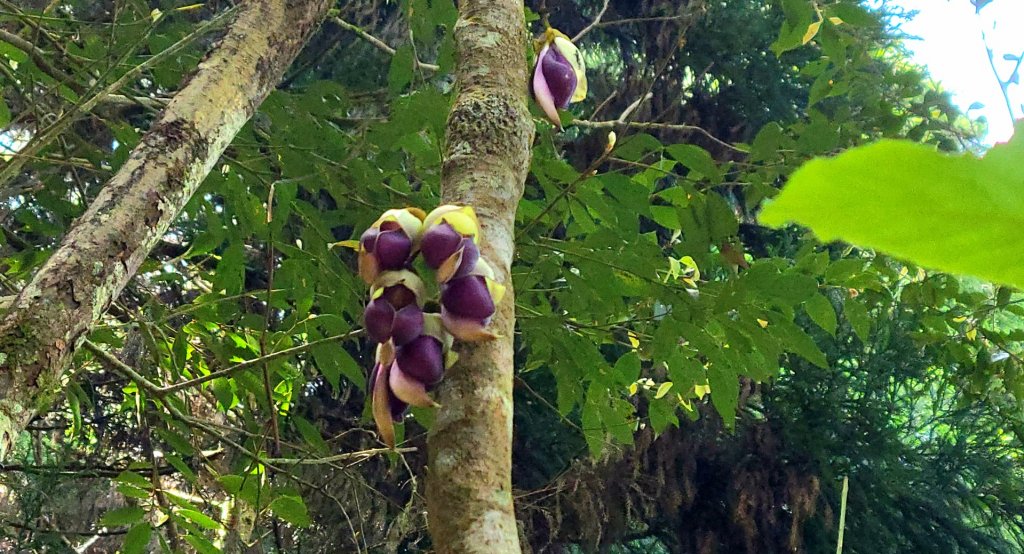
x: 487, y: 155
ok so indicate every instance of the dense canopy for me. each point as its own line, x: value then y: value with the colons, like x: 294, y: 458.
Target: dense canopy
x: 183, y: 365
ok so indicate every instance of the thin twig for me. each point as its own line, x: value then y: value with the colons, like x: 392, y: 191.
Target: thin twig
x: 35, y: 529
x: 641, y: 125
x: 380, y: 44
x: 593, y: 23
x: 159, y: 391
x: 360, y: 455
x: 39, y: 57
x: 48, y: 134
x: 640, y: 20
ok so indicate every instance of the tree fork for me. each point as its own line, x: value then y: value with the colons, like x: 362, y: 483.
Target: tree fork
x: 108, y: 243
x: 487, y: 157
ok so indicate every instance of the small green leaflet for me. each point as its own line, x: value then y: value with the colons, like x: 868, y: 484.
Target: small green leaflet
x: 291, y: 509
x: 137, y: 538
x: 821, y: 312
x: 958, y: 214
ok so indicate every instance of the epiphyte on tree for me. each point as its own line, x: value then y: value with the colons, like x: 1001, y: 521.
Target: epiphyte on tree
x: 559, y: 74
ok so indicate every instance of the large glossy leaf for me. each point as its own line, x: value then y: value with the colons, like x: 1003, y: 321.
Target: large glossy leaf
x: 959, y: 214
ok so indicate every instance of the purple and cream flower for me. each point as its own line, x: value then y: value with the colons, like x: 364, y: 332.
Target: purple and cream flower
x: 449, y: 242
x: 559, y: 75
x: 390, y: 242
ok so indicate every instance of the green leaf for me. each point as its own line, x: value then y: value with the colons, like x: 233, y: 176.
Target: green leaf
x: 134, y: 479
x: 181, y: 466
x: 627, y: 368
x: 795, y: 340
x: 666, y: 216
x: 859, y: 319
x: 334, y: 362
x: 291, y: 509
x: 400, y: 73
x: 310, y: 433
x: 958, y: 214
x: 852, y: 14
x: 137, y: 539
x: 117, y: 517
x: 200, y: 519
x: 662, y: 414
x: 179, y: 443
x: 593, y: 429
x: 202, y: 544
x: 230, y: 274
x: 696, y: 159
x: 5, y: 113
x: 821, y: 312
x: 725, y: 391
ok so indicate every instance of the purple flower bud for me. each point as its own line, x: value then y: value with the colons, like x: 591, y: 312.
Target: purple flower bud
x: 368, y: 239
x: 408, y: 324
x: 378, y: 318
x: 399, y: 296
x: 466, y: 328
x: 468, y: 297
x: 409, y: 390
x: 384, y: 323
x: 383, y: 400
x: 422, y: 359
x: 439, y: 243
x: 560, y: 77
x: 392, y: 249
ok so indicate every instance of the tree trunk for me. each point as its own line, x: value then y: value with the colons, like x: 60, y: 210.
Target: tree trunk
x: 487, y: 157
x: 106, y: 246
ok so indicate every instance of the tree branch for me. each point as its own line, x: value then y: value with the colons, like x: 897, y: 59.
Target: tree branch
x: 642, y: 126
x: 110, y: 241
x: 378, y: 43
x: 593, y: 23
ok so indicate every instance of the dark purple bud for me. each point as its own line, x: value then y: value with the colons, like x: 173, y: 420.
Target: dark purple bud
x: 560, y: 77
x: 468, y: 297
x: 392, y: 249
x: 422, y: 359
x: 368, y: 239
x: 408, y: 324
x: 439, y: 243
x: 379, y: 317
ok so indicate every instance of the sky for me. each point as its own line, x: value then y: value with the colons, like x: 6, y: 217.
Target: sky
x: 952, y: 49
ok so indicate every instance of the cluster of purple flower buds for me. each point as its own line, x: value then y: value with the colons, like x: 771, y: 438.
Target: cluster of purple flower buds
x: 413, y: 347
x: 559, y: 75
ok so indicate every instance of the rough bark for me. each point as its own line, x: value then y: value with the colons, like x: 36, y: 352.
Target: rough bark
x: 106, y: 246
x: 487, y: 155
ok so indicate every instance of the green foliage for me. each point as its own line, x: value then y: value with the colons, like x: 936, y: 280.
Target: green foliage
x: 647, y: 294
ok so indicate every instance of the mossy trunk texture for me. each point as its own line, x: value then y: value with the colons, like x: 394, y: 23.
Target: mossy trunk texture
x: 106, y: 246
x: 487, y: 157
